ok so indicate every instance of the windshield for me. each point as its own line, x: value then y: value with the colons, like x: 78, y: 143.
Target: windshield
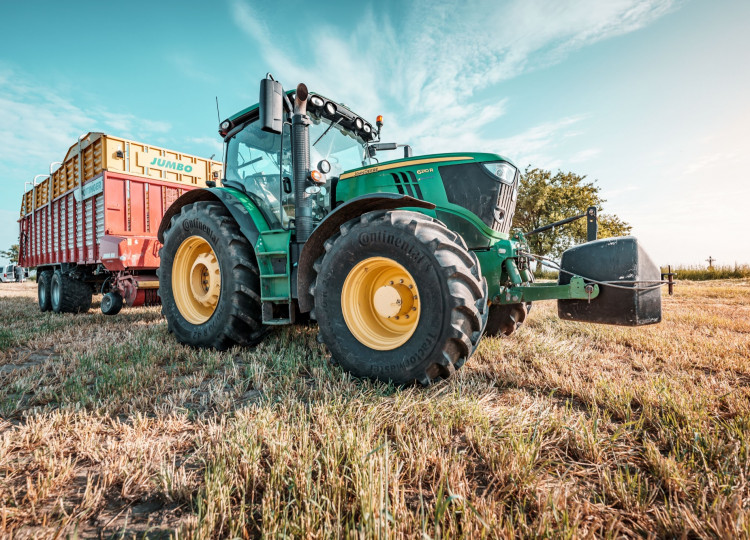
x: 339, y: 146
x: 256, y: 160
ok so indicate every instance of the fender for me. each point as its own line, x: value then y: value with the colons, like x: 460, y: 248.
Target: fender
x: 248, y: 226
x: 351, y: 209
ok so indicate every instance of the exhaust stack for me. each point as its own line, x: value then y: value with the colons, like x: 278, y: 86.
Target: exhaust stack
x: 301, y: 159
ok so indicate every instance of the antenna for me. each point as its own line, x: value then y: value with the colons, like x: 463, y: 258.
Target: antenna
x: 218, y: 116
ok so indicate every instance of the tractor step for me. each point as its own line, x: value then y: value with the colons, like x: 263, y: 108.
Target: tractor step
x: 277, y: 313
x: 272, y: 251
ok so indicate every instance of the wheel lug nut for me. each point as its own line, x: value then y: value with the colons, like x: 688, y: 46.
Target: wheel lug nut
x: 400, y: 280
x: 414, y: 309
x: 411, y: 286
x: 390, y: 282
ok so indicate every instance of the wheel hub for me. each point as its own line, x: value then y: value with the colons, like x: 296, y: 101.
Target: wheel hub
x: 205, y: 279
x: 380, y: 303
x: 196, y: 280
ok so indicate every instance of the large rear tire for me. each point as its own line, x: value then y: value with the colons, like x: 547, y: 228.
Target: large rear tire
x: 43, y: 291
x: 69, y: 294
x: 399, y: 297
x: 209, y: 281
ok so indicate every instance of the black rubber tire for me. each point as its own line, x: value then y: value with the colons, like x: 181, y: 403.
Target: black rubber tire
x: 504, y: 319
x: 453, y: 295
x: 68, y: 294
x: 111, y: 303
x: 237, y: 319
x: 43, y: 290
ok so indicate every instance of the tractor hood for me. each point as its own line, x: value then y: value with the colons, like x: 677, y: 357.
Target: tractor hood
x: 474, y: 193
x: 425, y: 161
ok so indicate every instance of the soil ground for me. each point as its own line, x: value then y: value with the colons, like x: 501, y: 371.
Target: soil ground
x: 109, y: 428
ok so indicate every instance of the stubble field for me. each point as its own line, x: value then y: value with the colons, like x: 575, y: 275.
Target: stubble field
x: 109, y: 428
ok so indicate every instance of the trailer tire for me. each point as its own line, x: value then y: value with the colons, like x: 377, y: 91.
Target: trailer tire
x: 68, y: 294
x: 366, y: 275
x: 43, y: 291
x: 236, y: 318
x: 111, y: 303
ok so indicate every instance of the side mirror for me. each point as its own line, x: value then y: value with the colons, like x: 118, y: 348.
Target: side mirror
x: 384, y: 146
x: 376, y: 147
x: 271, y: 106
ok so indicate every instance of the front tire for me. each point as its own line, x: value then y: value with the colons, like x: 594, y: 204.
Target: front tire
x: 209, y: 281
x: 400, y: 298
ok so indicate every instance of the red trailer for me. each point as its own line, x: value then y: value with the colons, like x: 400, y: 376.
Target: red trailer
x: 91, y: 225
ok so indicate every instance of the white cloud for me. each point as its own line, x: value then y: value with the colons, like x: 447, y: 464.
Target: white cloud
x: 434, y: 61
x: 205, y: 146
x: 38, y: 128
x: 40, y: 125
x: 584, y: 155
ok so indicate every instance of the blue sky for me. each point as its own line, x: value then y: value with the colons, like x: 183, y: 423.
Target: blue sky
x: 648, y: 97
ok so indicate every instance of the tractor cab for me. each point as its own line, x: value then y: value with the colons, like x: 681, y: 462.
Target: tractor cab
x: 260, y: 163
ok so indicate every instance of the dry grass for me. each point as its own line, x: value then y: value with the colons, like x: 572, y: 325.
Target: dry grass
x: 564, y: 430
x: 700, y: 273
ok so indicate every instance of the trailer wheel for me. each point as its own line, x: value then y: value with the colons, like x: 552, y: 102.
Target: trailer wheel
x: 505, y: 319
x: 68, y: 294
x: 111, y: 303
x: 43, y: 290
x: 209, y: 279
x: 399, y: 297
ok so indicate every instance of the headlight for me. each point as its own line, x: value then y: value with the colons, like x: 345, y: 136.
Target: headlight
x: 504, y: 172
x: 316, y: 101
x: 358, y: 123
x: 225, y: 125
x: 367, y: 128
x: 324, y: 166
x: 330, y: 108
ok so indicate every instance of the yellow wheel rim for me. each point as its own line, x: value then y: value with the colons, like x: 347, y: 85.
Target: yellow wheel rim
x: 380, y: 303
x: 196, y: 280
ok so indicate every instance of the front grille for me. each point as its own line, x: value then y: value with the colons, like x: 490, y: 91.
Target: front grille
x: 471, y: 186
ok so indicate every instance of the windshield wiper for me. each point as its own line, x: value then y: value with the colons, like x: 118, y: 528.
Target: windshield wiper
x: 249, y: 162
x: 326, y: 131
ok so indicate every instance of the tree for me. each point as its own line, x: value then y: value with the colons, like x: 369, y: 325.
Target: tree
x: 544, y: 198
x: 11, y: 254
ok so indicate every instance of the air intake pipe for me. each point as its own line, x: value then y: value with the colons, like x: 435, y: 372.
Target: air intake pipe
x: 301, y: 158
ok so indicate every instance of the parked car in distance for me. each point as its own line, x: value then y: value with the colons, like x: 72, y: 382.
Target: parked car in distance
x: 8, y: 273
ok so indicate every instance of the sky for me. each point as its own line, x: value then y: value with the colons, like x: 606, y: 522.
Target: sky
x: 649, y: 98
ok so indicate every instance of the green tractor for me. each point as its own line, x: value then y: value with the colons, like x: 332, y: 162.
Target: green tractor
x: 405, y: 264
